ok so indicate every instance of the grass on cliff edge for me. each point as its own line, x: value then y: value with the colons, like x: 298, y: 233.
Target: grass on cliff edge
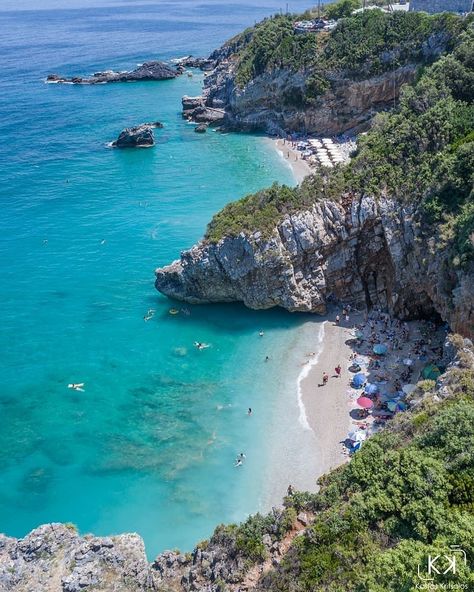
x: 407, y: 493
x: 422, y: 153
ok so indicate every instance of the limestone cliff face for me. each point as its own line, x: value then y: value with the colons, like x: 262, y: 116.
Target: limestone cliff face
x: 363, y: 251
x: 54, y: 558
x: 265, y: 103
x: 273, y: 102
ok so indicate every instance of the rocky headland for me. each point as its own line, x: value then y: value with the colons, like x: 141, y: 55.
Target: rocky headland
x: 365, y: 251
x: 374, y: 233
x: 147, y: 71
x: 252, y: 87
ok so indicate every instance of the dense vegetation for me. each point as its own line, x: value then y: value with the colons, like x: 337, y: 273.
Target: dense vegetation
x: 407, y: 493
x: 362, y: 45
x: 421, y: 153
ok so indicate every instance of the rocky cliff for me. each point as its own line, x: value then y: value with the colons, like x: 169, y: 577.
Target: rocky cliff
x: 364, y: 251
x: 262, y: 105
x: 273, y: 80
x: 54, y: 558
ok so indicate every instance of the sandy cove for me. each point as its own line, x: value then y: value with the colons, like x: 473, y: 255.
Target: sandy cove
x: 331, y: 410
x: 300, y: 167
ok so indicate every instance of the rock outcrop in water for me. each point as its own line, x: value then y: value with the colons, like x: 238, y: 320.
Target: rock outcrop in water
x: 140, y: 136
x: 148, y: 71
x: 364, y: 251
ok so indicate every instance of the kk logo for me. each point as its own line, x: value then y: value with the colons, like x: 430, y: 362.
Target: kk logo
x: 442, y: 564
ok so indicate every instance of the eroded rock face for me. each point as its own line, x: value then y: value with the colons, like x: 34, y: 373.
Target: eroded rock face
x: 54, y: 558
x: 362, y: 251
x: 148, y: 71
x: 273, y: 102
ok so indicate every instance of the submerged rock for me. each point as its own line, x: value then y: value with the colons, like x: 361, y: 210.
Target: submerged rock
x: 140, y: 136
x: 201, y: 128
x: 147, y: 71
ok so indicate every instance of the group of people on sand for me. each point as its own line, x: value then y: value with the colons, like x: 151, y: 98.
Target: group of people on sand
x: 345, y: 314
x: 337, y: 374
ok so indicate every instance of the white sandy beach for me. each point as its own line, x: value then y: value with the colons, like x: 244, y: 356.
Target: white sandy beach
x: 326, y: 406
x: 300, y: 167
x: 316, y: 434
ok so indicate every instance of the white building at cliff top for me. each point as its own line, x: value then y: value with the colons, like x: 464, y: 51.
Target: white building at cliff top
x: 434, y: 6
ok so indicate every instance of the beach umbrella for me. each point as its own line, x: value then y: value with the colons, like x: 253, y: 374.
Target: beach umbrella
x: 358, y: 380
x: 380, y: 349
x: 357, y: 436
x: 371, y: 388
x: 408, y: 388
x: 365, y: 402
x: 396, y: 406
x: 431, y: 372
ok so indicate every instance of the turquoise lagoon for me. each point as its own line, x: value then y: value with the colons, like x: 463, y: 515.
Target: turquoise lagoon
x: 149, y: 446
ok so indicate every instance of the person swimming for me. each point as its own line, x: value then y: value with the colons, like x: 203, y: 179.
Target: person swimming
x: 261, y: 333
x: 249, y: 412
x: 240, y: 459
x: 76, y: 386
x: 200, y: 345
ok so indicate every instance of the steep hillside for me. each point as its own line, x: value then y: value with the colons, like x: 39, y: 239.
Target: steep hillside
x: 393, y: 228
x: 273, y: 79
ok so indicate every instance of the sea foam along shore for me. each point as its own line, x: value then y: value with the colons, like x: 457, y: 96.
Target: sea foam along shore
x: 304, y: 439
x: 325, y: 407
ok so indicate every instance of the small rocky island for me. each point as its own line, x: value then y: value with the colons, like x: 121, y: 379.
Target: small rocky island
x: 140, y: 136
x: 147, y: 71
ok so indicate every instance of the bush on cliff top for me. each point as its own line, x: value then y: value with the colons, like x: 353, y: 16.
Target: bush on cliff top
x: 421, y: 153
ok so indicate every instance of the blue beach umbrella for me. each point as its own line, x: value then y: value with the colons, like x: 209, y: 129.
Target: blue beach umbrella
x: 359, y: 380
x: 396, y: 406
x: 371, y: 389
x: 380, y: 349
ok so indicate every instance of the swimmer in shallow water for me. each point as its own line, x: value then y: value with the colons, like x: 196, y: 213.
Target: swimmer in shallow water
x: 200, y: 345
x: 76, y: 386
x: 261, y: 333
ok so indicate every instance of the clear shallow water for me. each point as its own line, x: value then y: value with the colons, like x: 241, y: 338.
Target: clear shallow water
x: 149, y: 446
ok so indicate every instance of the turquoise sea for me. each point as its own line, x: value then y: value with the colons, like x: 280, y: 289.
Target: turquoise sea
x: 149, y: 445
